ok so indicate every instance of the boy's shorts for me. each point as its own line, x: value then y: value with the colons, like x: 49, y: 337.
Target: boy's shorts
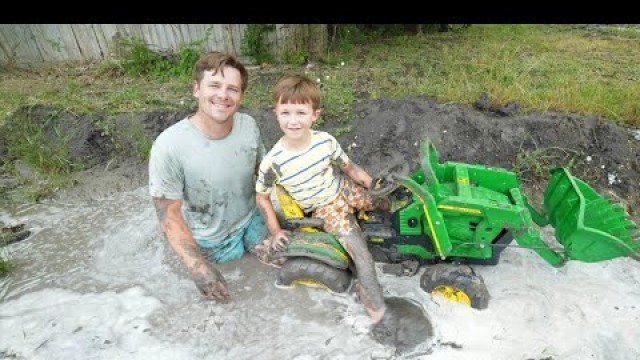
x: 336, y: 213
x: 235, y: 245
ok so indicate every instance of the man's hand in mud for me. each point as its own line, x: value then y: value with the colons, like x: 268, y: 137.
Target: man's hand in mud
x: 279, y: 240
x: 213, y: 286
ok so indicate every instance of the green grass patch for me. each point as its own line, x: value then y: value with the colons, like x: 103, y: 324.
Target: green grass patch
x: 30, y: 142
x: 5, y: 264
x: 583, y: 69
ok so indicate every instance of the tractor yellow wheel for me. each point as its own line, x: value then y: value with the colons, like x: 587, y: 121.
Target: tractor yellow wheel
x: 314, y: 273
x: 452, y: 293
x: 457, y: 283
x: 310, y: 283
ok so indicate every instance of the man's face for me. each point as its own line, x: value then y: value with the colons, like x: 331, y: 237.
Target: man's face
x: 219, y: 95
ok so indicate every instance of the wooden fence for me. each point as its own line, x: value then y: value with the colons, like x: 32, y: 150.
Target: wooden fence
x: 37, y: 44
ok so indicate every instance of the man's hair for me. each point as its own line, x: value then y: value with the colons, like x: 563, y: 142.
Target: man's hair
x: 216, y: 61
x: 296, y: 89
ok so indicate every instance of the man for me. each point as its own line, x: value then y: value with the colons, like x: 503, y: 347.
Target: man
x: 202, y: 176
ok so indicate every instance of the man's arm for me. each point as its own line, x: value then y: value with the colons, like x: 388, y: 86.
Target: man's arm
x: 208, y: 279
x: 278, y: 236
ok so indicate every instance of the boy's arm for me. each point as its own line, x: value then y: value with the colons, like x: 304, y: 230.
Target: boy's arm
x: 361, y: 177
x: 358, y: 174
x: 278, y: 236
x: 208, y: 279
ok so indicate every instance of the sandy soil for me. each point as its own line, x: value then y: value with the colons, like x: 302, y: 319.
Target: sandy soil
x: 603, y: 154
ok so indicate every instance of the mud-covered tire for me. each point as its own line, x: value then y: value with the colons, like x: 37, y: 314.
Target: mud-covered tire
x: 311, y: 272
x: 457, y: 283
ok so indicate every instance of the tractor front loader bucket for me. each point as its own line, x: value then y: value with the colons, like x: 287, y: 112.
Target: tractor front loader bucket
x: 590, y: 227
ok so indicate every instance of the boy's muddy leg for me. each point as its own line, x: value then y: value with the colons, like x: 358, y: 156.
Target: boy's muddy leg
x: 367, y: 284
x: 397, y: 322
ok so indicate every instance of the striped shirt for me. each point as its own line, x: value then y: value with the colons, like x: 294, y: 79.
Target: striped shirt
x: 308, y: 175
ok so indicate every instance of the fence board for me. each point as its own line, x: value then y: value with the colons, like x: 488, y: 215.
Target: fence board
x: 204, y: 32
x: 237, y: 37
x: 196, y: 33
x: 277, y: 46
x: 85, y: 37
x: 149, y: 37
x: 164, y: 43
x: 33, y: 44
x: 186, y: 33
x: 271, y: 40
x: 161, y: 42
x: 228, y: 39
x: 174, y: 33
x: 21, y: 44
x: 219, y: 39
x: 133, y: 30
x: 104, y: 36
x: 4, y: 49
x: 56, y: 42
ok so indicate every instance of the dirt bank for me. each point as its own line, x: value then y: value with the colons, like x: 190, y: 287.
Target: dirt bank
x: 603, y: 154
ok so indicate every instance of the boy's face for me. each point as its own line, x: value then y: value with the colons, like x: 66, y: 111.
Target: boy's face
x: 296, y: 119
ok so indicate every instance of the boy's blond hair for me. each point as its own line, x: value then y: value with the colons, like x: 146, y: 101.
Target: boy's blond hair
x: 296, y: 89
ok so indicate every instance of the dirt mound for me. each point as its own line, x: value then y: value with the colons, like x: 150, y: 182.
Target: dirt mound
x: 603, y: 154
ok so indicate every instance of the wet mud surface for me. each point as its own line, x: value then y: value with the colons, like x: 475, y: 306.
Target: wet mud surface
x: 403, y: 327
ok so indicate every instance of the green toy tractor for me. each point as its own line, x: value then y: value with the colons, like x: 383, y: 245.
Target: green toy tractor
x: 452, y: 215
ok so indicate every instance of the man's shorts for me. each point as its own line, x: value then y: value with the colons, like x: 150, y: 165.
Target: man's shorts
x: 235, y: 245
x: 336, y: 213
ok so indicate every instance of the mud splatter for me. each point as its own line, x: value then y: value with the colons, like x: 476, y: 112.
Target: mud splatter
x: 404, y: 326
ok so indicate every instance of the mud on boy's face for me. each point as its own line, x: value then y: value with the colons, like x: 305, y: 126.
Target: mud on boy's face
x: 295, y: 120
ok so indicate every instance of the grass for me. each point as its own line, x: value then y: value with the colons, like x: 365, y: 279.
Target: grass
x: 5, y: 265
x: 568, y: 68
x: 588, y: 70
x: 542, y: 67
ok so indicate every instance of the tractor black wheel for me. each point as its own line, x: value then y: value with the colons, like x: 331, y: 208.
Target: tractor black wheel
x: 310, y: 272
x: 457, y: 283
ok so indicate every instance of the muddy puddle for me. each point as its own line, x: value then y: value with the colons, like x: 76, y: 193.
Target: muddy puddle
x: 97, y: 280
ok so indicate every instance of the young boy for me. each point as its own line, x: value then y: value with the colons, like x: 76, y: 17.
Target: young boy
x: 302, y: 161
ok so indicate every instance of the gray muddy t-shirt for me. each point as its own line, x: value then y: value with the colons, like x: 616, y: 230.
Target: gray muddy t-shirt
x: 215, y: 178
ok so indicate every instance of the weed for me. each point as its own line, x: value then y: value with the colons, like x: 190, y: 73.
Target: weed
x: 5, y: 264
x: 337, y: 96
x: 106, y: 126
x: 536, y: 164
x: 342, y: 130
x: 43, y: 146
x: 140, y: 60
x: 296, y: 57
x: 254, y: 44
x: 140, y: 141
